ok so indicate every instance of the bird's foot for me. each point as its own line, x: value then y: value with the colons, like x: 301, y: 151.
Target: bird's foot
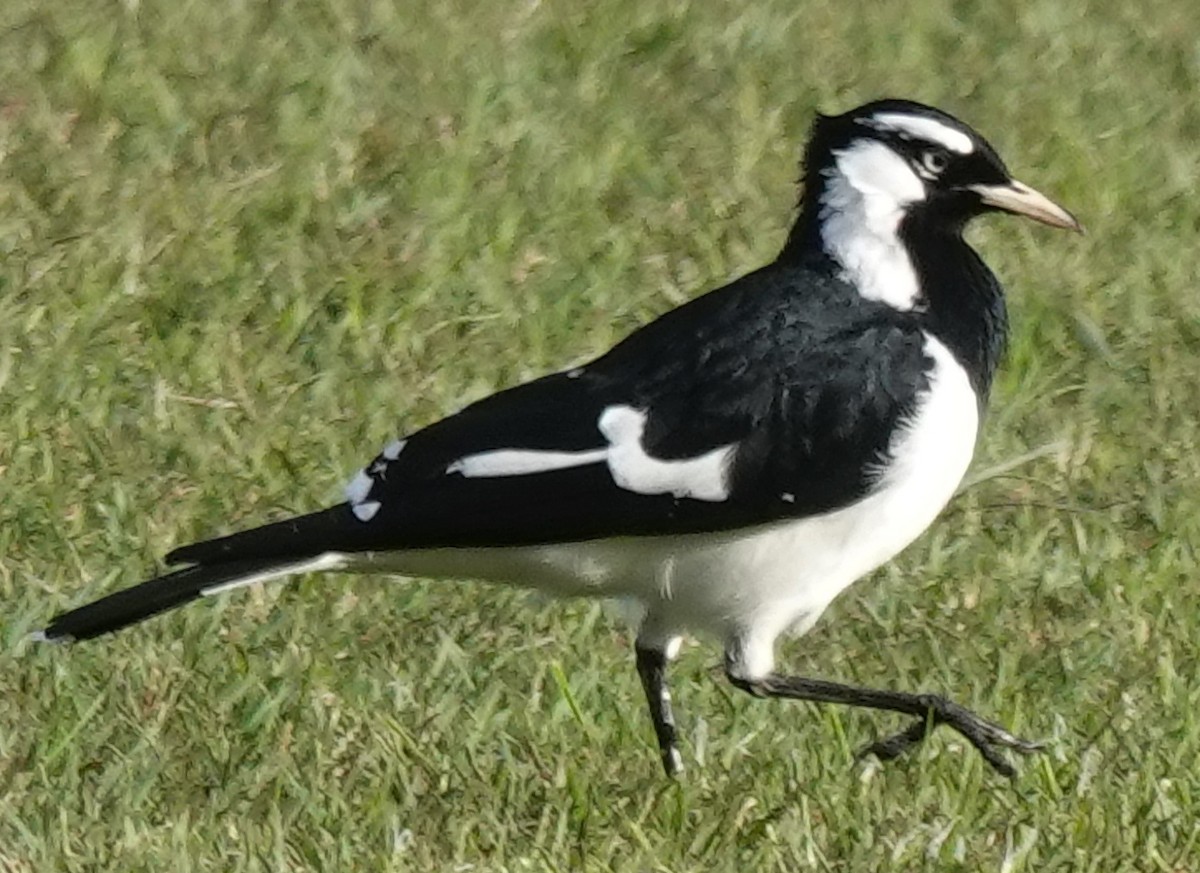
x: 986, y: 736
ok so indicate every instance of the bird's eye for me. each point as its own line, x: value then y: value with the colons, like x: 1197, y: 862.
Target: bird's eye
x: 935, y: 160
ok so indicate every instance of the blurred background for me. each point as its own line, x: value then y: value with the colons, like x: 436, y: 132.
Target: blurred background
x: 245, y: 244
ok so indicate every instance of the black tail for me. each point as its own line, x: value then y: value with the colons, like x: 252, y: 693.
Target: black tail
x: 265, y: 552
x: 330, y: 530
x: 150, y: 598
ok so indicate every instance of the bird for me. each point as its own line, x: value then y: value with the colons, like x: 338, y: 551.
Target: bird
x: 728, y: 468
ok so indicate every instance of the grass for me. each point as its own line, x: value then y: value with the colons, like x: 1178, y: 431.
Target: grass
x: 243, y: 245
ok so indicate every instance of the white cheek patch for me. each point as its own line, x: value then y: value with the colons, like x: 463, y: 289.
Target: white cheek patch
x: 701, y: 478
x: 928, y: 129
x: 865, y: 196
x: 520, y: 462
x: 883, y: 178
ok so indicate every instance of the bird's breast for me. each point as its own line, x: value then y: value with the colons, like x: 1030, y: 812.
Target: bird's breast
x: 783, y: 575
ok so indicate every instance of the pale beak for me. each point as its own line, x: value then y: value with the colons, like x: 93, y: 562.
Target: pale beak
x: 1019, y: 198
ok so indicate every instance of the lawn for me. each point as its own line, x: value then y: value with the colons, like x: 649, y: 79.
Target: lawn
x: 245, y: 244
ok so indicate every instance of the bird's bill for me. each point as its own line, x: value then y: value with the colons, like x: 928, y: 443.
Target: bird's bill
x: 1019, y: 198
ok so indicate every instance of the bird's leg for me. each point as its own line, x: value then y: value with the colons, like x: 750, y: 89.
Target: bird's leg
x: 930, y: 709
x: 652, y: 669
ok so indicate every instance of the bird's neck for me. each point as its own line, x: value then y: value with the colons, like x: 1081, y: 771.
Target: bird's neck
x: 913, y: 265
x: 964, y: 303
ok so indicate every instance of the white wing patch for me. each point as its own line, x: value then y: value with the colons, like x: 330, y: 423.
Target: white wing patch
x: 701, y: 478
x: 864, y: 200
x: 366, y: 510
x: 519, y: 462
x: 928, y: 129
x: 359, y: 488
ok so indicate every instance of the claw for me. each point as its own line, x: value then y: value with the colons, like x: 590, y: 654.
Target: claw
x: 895, y: 745
x: 983, y: 735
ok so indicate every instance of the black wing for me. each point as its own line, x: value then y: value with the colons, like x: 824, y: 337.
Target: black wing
x: 801, y: 377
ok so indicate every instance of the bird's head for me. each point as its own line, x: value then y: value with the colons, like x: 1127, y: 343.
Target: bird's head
x: 895, y: 165
x: 902, y: 159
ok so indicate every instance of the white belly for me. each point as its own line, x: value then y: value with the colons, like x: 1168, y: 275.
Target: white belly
x: 759, y: 581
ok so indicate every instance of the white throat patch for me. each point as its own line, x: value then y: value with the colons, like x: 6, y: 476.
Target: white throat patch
x: 861, y: 208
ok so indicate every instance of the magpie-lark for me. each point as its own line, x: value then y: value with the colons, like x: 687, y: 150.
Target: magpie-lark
x: 730, y: 467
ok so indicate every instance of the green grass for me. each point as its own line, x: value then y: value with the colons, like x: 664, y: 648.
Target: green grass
x: 243, y: 245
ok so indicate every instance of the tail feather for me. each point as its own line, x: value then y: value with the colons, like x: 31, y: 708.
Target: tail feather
x: 314, y: 542
x: 330, y: 530
x: 166, y: 592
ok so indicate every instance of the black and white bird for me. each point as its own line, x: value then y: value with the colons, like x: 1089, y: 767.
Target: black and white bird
x: 730, y: 467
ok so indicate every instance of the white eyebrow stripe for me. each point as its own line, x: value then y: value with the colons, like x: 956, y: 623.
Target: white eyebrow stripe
x: 925, y: 128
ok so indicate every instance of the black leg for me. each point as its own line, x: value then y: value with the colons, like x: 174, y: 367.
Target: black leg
x: 930, y: 709
x: 652, y: 668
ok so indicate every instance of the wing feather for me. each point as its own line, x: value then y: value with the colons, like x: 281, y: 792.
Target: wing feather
x: 752, y: 404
